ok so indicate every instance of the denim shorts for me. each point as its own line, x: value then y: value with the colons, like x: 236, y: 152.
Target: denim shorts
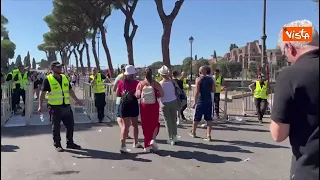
x: 118, y: 110
x: 204, y: 110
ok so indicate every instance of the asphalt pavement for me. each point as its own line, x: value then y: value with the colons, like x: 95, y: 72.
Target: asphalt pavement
x: 239, y: 151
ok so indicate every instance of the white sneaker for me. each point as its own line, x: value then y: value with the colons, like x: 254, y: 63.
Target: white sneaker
x: 154, y: 145
x: 147, y: 150
x: 137, y: 145
x: 178, y: 122
x: 175, y: 139
x: 123, y: 150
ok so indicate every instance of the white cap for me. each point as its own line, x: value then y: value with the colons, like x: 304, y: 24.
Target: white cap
x: 129, y: 70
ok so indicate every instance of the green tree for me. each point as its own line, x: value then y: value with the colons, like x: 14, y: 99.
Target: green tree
x: 34, y: 64
x: 199, y: 63
x: 28, y: 60
x: 7, y: 52
x: 186, y: 65
x: 155, y: 66
x: 167, y: 22
x: 215, y: 55
x: 4, y: 21
x: 253, y: 69
x: 234, y: 69
x: 18, y: 61
x: 43, y: 64
x: 128, y: 7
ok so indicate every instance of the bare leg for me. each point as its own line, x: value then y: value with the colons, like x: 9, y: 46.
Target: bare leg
x: 134, y: 123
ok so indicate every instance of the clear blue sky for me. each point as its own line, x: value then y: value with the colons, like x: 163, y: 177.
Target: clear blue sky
x: 214, y: 24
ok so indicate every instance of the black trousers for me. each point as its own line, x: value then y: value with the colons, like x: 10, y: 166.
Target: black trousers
x: 64, y: 114
x: 216, y: 103
x: 181, y: 111
x: 100, y: 103
x: 15, y: 97
x: 261, y: 106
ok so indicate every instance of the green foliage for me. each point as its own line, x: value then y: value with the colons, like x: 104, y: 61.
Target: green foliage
x: 27, y: 61
x: 18, y: 61
x: 34, y: 64
x: 7, y: 48
x: 4, y: 21
x: 186, y: 64
x: 253, y: 69
x: 43, y: 64
x: 234, y: 69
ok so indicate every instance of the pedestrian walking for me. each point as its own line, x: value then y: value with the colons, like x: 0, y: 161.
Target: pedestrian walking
x: 128, y: 107
x: 295, y: 111
x: 203, y: 102
x: 59, y: 92
x: 260, y: 91
x: 181, y: 82
x: 97, y: 81
x: 149, y: 90
x: 170, y: 105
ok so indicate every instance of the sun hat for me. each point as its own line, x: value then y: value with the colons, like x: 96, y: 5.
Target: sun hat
x: 129, y: 70
x: 163, y: 70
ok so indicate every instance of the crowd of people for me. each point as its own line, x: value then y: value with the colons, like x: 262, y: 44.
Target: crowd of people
x: 295, y: 112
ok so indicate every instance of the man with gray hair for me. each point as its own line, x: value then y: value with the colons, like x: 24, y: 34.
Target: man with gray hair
x: 295, y: 112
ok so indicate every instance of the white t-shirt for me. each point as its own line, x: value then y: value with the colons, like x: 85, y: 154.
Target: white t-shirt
x: 169, y: 93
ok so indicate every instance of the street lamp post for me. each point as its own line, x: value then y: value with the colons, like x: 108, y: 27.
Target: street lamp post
x: 191, y: 41
x: 98, y: 37
x: 264, y: 37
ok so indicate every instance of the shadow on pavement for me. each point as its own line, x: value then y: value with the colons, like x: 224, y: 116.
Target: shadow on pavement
x: 199, y: 156
x: 228, y: 126
x: 9, y: 148
x: 252, y: 144
x: 97, y: 154
x: 43, y: 129
x: 222, y: 148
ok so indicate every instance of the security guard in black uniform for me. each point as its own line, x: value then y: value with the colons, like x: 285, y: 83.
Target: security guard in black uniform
x: 20, y: 78
x: 59, y: 90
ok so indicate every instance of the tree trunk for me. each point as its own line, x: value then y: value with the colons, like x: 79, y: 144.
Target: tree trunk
x: 128, y: 12
x: 165, y: 43
x: 80, y: 51
x: 167, y: 21
x: 94, y: 49
x: 88, y: 56
x: 130, y: 51
x: 77, y: 60
x: 106, y: 48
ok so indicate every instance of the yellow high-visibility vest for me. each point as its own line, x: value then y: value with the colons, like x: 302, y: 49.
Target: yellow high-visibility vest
x: 22, y: 80
x: 98, y: 86
x: 185, y: 85
x: 158, y: 78
x: 261, y: 92
x: 59, y: 93
x: 218, y: 83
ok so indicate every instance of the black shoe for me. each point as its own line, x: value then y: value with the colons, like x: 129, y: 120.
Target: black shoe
x: 73, y: 146
x: 59, y: 149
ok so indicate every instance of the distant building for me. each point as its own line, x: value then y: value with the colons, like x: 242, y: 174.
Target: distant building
x: 251, y: 52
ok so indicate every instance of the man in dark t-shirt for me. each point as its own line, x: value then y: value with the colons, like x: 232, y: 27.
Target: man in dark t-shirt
x: 295, y: 112
x: 61, y: 112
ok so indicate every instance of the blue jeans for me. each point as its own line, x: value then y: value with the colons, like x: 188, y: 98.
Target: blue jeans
x: 118, y: 110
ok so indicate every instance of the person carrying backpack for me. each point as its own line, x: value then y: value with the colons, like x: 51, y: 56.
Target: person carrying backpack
x: 149, y: 91
x: 128, y: 107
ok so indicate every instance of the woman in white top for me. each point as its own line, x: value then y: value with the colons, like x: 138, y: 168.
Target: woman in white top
x: 169, y: 104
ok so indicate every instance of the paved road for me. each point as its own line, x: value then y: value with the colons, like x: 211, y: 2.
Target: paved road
x: 238, y: 152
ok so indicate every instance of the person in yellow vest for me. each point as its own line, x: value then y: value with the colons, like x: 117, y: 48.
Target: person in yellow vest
x: 60, y: 91
x: 219, y: 87
x: 260, y: 90
x: 97, y: 81
x: 184, y: 80
x: 20, y: 77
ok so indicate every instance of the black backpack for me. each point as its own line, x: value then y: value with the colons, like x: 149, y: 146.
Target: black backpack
x: 127, y: 98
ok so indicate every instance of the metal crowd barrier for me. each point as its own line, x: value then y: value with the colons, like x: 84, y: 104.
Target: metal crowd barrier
x: 89, y: 105
x: 241, y: 102
x: 6, y: 101
x: 29, y: 101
